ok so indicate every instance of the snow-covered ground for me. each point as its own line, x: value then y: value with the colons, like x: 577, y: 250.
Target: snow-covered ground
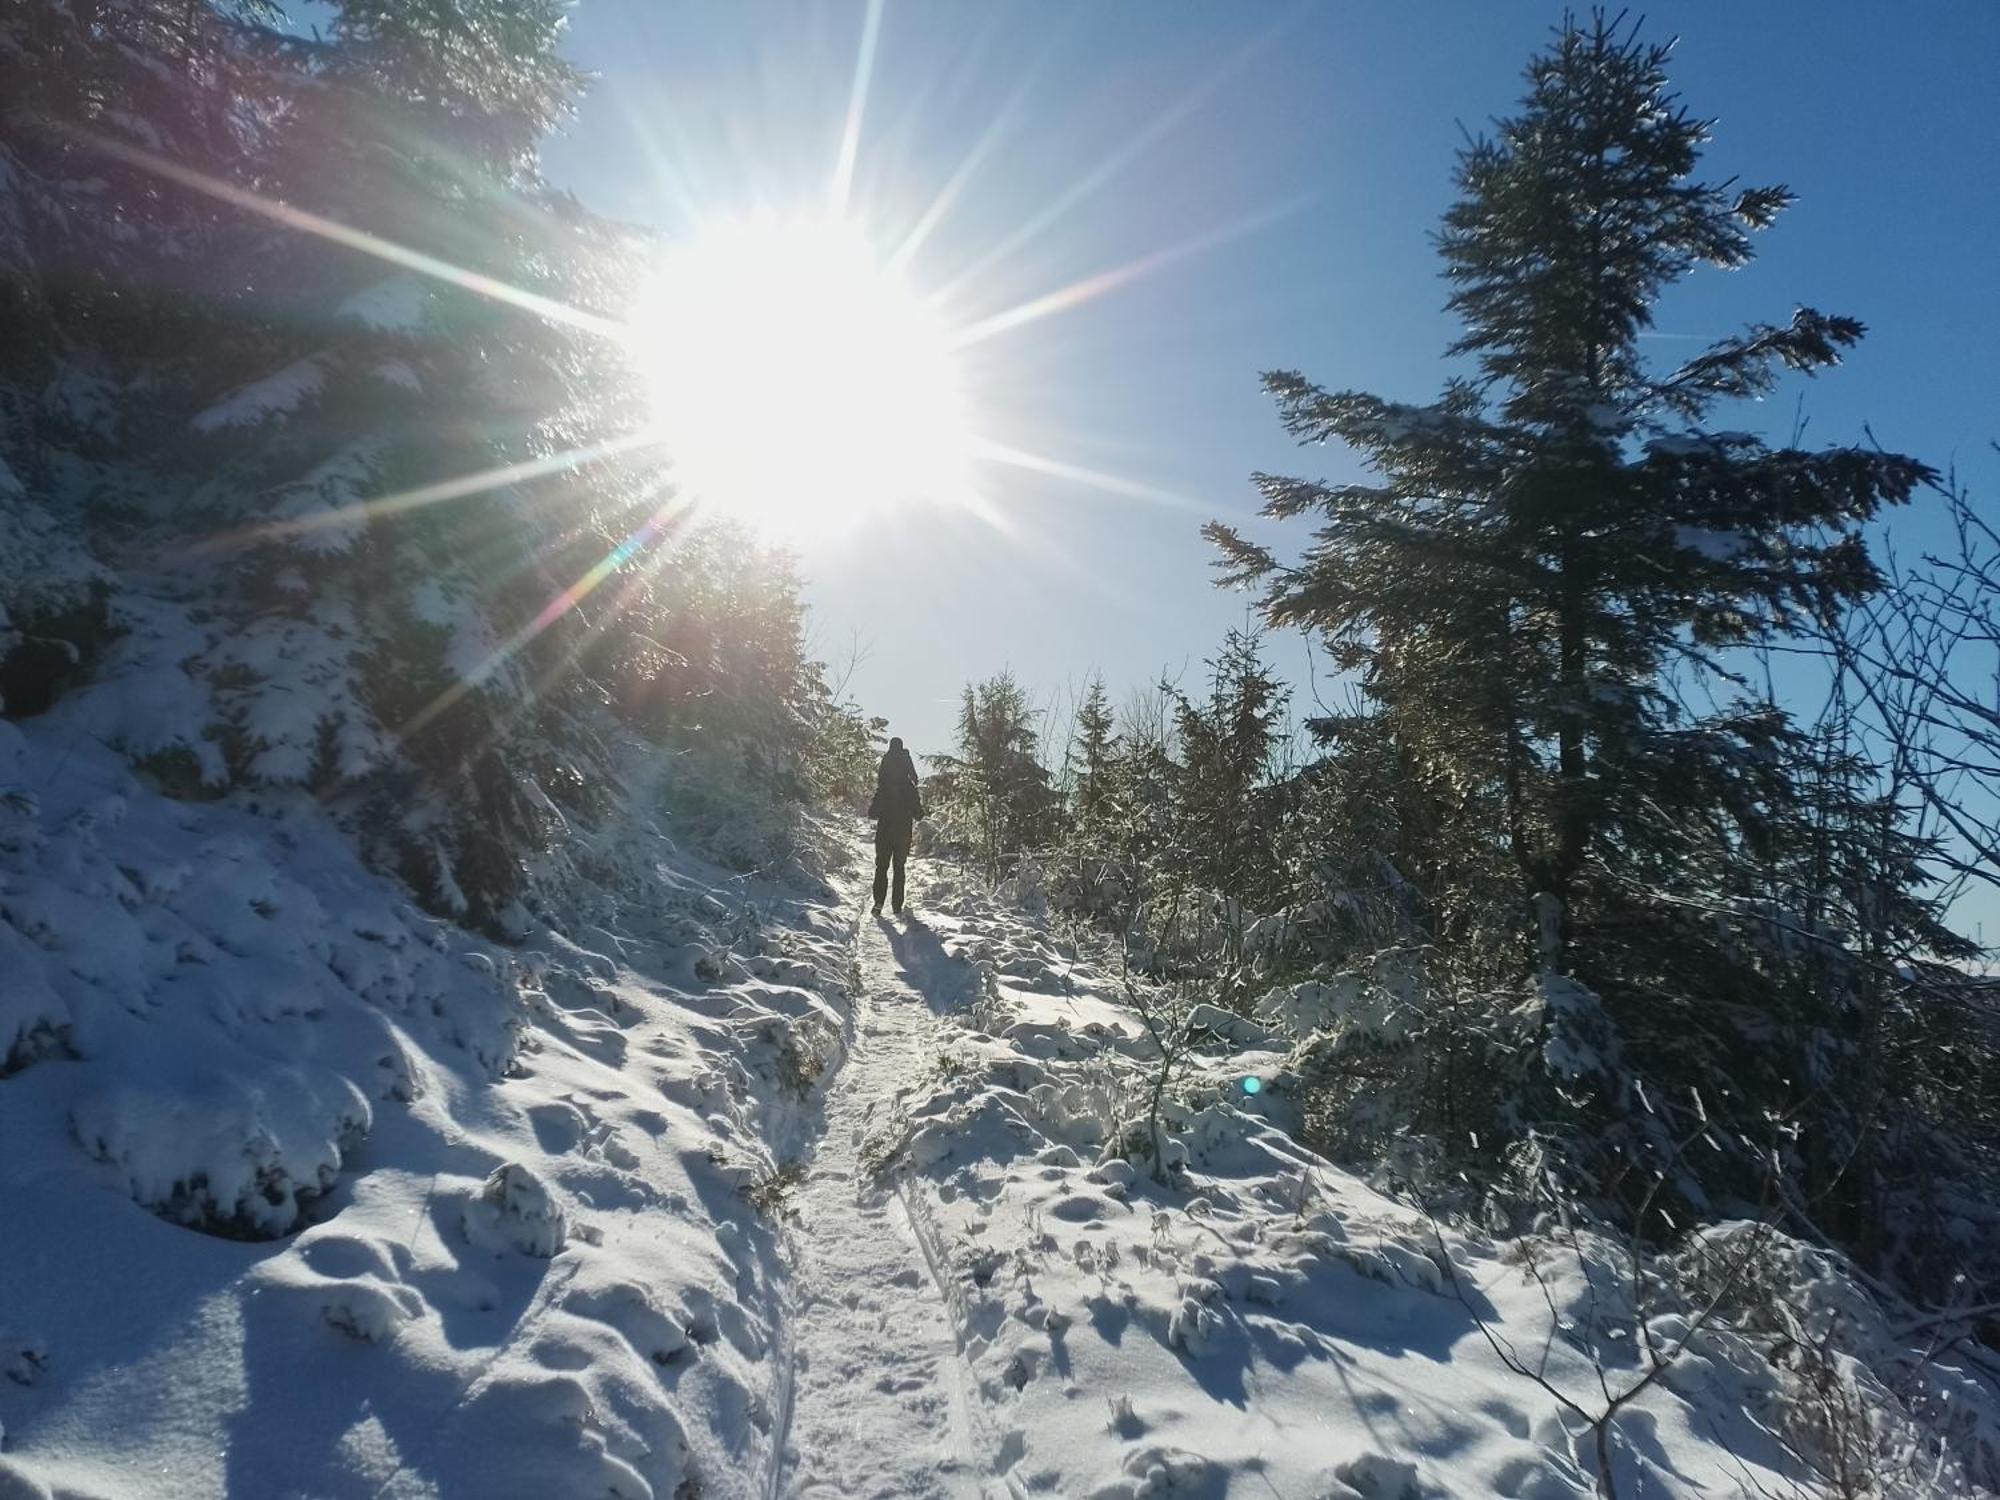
x: 876, y: 1399
x: 518, y: 1248
x: 721, y: 1190
x: 1270, y: 1325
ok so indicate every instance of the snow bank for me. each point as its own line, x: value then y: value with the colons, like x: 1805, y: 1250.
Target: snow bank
x: 514, y: 1210
x: 241, y: 1153
x: 307, y: 1192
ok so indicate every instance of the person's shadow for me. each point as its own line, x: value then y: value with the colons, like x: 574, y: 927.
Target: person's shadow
x: 945, y: 982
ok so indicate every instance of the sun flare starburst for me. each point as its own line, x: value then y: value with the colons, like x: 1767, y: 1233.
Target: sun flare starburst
x: 799, y: 382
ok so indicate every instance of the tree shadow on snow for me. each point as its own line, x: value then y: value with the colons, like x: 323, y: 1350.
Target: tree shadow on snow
x: 1336, y: 1302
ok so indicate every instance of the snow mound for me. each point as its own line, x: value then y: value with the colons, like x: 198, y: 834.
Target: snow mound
x: 1159, y: 1473
x: 514, y: 1211
x: 221, y: 1153
x: 1380, y: 1478
x: 275, y: 394
x: 22, y: 1359
x: 395, y: 304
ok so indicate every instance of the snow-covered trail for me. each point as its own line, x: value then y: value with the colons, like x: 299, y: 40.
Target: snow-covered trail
x: 875, y: 1399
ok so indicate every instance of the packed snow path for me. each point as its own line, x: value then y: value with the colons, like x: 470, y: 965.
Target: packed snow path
x: 877, y: 1396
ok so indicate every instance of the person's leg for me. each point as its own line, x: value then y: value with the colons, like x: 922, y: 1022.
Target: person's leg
x: 882, y: 856
x: 902, y: 858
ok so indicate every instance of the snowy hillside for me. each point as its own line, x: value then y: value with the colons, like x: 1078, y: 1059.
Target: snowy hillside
x: 308, y: 1193
x: 715, y: 1190
x: 1270, y: 1324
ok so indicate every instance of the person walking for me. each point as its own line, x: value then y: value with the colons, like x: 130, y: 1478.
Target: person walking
x: 896, y: 806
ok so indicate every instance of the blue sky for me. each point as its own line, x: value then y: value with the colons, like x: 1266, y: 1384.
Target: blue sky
x: 1127, y: 129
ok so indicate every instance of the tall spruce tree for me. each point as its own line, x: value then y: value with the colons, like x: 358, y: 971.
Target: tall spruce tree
x: 1222, y: 819
x: 994, y: 788
x: 1538, y: 548
x: 1093, y: 754
x: 365, y: 654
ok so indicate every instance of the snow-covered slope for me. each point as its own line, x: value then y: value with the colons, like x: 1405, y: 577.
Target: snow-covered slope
x: 1268, y: 1324
x: 710, y: 1188
x: 305, y: 1193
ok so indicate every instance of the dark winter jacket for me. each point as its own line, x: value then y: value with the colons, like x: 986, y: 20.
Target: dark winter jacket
x: 897, y: 803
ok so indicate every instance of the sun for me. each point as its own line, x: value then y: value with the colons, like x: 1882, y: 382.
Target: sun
x: 798, y: 382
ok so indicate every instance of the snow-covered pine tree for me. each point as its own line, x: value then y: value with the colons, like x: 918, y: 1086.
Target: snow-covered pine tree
x: 108, y: 277
x: 357, y: 640
x: 1089, y: 878
x: 255, y: 469
x: 1223, y: 817
x: 1543, y: 567
x: 1540, y: 546
x: 1143, y: 838
x: 1093, y: 753
x: 994, y: 791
